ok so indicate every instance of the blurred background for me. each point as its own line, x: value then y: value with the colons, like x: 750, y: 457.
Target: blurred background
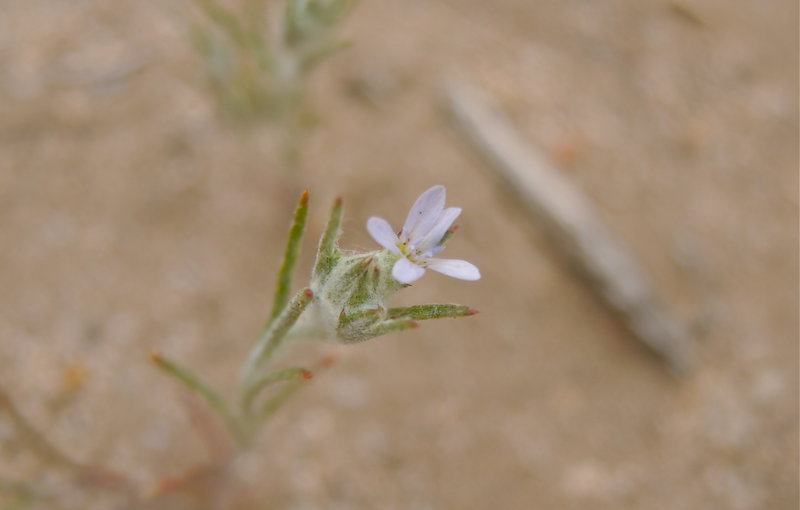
x: 133, y: 216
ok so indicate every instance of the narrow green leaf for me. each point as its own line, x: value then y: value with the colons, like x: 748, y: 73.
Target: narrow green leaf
x: 425, y: 312
x: 287, y: 374
x: 284, y: 282
x: 195, y: 384
x: 277, y: 400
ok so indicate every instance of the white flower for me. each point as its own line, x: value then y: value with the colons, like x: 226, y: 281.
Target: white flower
x: 421, y: 239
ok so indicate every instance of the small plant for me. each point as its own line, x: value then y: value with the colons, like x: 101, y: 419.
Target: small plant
x: 345, y: 301
x: 260, y: 72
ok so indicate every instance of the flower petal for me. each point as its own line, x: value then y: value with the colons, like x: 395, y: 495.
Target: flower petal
x: 434, y: 236
x: 423, y: 214
x: 405, y: 271
x: 460, y: 269
x: 382, y: 232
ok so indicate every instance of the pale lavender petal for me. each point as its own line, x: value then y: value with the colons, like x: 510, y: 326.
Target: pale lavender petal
x: 437, y: 231
x: 460, y: 269
x: 423, y: 213
x: 382, y: 232
x: 433, y: 251
x: 405, y: 271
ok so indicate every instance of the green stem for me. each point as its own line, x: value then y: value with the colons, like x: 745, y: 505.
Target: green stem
x: 273, y: 337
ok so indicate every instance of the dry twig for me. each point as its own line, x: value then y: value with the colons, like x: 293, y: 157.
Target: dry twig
x: 574, y: 223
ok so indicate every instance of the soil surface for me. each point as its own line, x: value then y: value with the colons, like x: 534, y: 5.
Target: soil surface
x: 133, y: 218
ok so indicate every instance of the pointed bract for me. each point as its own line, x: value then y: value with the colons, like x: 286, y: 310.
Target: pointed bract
x: 328, y: 252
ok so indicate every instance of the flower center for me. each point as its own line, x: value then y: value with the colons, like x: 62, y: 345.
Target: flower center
x: 410, y: 252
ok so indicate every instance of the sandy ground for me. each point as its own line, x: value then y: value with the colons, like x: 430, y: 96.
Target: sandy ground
x: 131, y: 218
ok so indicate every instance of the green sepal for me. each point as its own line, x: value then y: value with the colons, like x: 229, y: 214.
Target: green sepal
x: 328, y: 253
x: 378, y: 329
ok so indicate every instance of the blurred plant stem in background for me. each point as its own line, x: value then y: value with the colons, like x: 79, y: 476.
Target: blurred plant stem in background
x: 258, y: 68
x: 26, y: 437
x: 18, y: 494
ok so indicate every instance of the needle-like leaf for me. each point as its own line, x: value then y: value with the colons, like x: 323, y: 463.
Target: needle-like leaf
x: 425, y: 312
x: 195, y: 384
x: 284, y: 282
x: 287, y: 374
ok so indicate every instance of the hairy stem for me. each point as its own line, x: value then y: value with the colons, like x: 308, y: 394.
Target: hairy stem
x: 272, y: 338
